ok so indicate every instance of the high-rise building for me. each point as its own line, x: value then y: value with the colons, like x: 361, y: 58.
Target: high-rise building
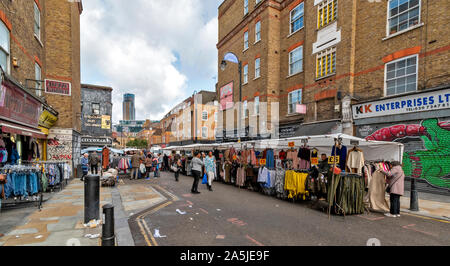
x: 129, y: 112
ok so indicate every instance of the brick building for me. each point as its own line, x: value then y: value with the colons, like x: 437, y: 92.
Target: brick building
x: 327, y: 55
x: 96, y: 109
x: 40, y: 54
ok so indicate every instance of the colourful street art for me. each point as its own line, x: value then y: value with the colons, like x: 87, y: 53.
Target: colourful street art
x: 431, y: 164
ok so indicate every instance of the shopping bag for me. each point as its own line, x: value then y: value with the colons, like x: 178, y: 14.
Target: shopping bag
x: 205, y: 179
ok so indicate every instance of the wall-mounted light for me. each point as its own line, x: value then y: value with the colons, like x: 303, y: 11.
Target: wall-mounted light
x: 15, y: 62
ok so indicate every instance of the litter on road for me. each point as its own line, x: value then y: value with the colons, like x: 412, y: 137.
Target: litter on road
x: 180, y: 212
x: 92, y: 236
x: 156, y: 234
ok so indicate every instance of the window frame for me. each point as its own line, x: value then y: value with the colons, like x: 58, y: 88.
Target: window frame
x: 93, y: 109
x: 38, y: 87
x: 246, y: 41
x: 291, y: 63
x: 203, y: 115
x: 258, y: 67
x: 257, y: 31
x: 326, y: 52
x: 245, y: 109
x: 290, y: 112
x: 256, y: 105
x: 203, y: 136
x: 7, y: 53
x: 394, y: 62
x: 291, y: 22
x: 245, y: 74
x: 245, y: 7
x: 388, y: 17
x: 37, y: 23
x: 324, y: 5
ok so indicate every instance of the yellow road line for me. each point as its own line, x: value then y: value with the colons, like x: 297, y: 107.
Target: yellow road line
x: 428, y: 218
x: 150, y: 233
x: 145, y: 231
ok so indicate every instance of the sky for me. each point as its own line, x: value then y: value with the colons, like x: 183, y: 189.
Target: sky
x: 160, y: 50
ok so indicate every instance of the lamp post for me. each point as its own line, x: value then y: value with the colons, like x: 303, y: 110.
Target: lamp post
x: 230, y: 57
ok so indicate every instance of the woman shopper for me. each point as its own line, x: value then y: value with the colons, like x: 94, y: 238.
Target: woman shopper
x: 148, y: 165
x: 85, y: 165
x: 210, y: 169
x: 197, y: 165
x: 177, y: 166
x: 396, y: 187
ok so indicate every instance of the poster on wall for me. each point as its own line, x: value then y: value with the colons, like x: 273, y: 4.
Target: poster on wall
x: 58, y: 87
x: 106, y: 122
x: 226, y: 97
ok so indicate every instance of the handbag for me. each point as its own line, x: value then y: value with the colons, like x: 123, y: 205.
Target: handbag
x: 142, y: 168
x: 205, y: 179
x: 3, y: 179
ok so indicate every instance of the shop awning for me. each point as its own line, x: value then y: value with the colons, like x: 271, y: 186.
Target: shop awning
x: 22, y: 130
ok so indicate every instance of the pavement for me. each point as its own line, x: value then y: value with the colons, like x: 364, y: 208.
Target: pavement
x: 164, y: 212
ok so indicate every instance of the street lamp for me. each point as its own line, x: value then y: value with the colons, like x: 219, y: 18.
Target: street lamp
x: 230, y: 57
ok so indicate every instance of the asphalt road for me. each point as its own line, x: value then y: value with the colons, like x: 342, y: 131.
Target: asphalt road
x: 230, y: 216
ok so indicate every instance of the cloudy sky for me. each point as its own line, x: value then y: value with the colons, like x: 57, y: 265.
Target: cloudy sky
x: 160, y: 50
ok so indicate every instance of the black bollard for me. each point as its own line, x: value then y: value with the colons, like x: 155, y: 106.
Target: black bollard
x: 108, y: 237
x: 91, y: 198
x: 414, y: 197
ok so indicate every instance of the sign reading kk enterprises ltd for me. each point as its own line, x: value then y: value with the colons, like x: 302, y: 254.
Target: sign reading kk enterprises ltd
x: 428, y: 101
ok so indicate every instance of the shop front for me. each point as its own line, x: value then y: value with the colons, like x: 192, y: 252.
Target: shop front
x: 47, y: 120
x: 421, y: 121
x: 19, y: 121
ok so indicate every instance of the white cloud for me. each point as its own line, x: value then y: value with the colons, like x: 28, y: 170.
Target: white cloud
x: 133, y: 46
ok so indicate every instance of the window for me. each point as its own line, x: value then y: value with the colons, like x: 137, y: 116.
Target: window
x: 4, y: 47
x: 257, y: 1
x: 257, y: 105
x: 401, y: 76
x: 258, y: 31
x: 297, y: 17
x: 296, y: 61
x: 245, y: 109
x: 294, y: 98
x: 246, y: 40
x: 37, y: 21
x: 257, y: 67
x: 403, y: 14
x: 326, y: 13
x: 205, y: 115
x: 245, y: 74
x: 326, y: 63
x: 204, y: 132
x: 245, y: 7
x: 96, y: 108
x: 37, y: 76
x: 216, y: 116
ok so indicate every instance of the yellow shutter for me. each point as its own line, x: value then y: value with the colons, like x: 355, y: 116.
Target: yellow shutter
x: 332, y: 8
x: 332, y: 69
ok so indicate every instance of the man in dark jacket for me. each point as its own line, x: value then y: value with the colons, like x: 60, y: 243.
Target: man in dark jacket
x: 323, y: 165
x: 93, y: 162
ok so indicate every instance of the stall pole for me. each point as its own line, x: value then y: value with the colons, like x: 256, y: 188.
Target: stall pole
x: 414, y: 202
x: 91, y: 197
x: 108, y: 237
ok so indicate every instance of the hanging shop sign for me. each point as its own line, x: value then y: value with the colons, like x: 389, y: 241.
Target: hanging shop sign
x: 18, y: 106
x: 93, y: 140
x: 226, y: 97
x: 47, y: 119
x: 300, y: 108
x: 58, y: 87
x: 292, y: 144
x: 262, y: 161
x: 314, y: 160
x: 332, y: 159
x: 419, y: 102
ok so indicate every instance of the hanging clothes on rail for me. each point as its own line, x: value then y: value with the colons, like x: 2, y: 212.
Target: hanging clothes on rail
x: 305, y: 158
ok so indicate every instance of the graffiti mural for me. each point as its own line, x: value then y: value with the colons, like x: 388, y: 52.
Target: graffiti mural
x: 432, y: 162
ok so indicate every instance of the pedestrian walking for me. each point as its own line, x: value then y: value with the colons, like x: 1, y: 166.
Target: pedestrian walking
x: 135, y: 163
x: 177, y: 167
x: 148, y: 165
x: 395, y: 188
x: 197, y: 165
x: 160, y: 162
x: 166, y: 162
x: 84, y: 165
x: 93, y: 162
x: 210, y: 169
x: 155, y: 166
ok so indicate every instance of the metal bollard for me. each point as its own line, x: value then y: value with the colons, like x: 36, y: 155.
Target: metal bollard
x: 91, y: 198
x: 108, y: 237
x: 414, y: 197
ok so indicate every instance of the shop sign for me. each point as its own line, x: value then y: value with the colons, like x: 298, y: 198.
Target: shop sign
x: 289, y: 131
x: 300, y: 108
x: 47, y: 119
x: 262, y: 162
x: 420, y: 102
x: 292, y: 144
x: 96, y: 140
x: 226, y: 96
x: 18, y: 106
x: 58, y: 87
x: 314, y: 160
